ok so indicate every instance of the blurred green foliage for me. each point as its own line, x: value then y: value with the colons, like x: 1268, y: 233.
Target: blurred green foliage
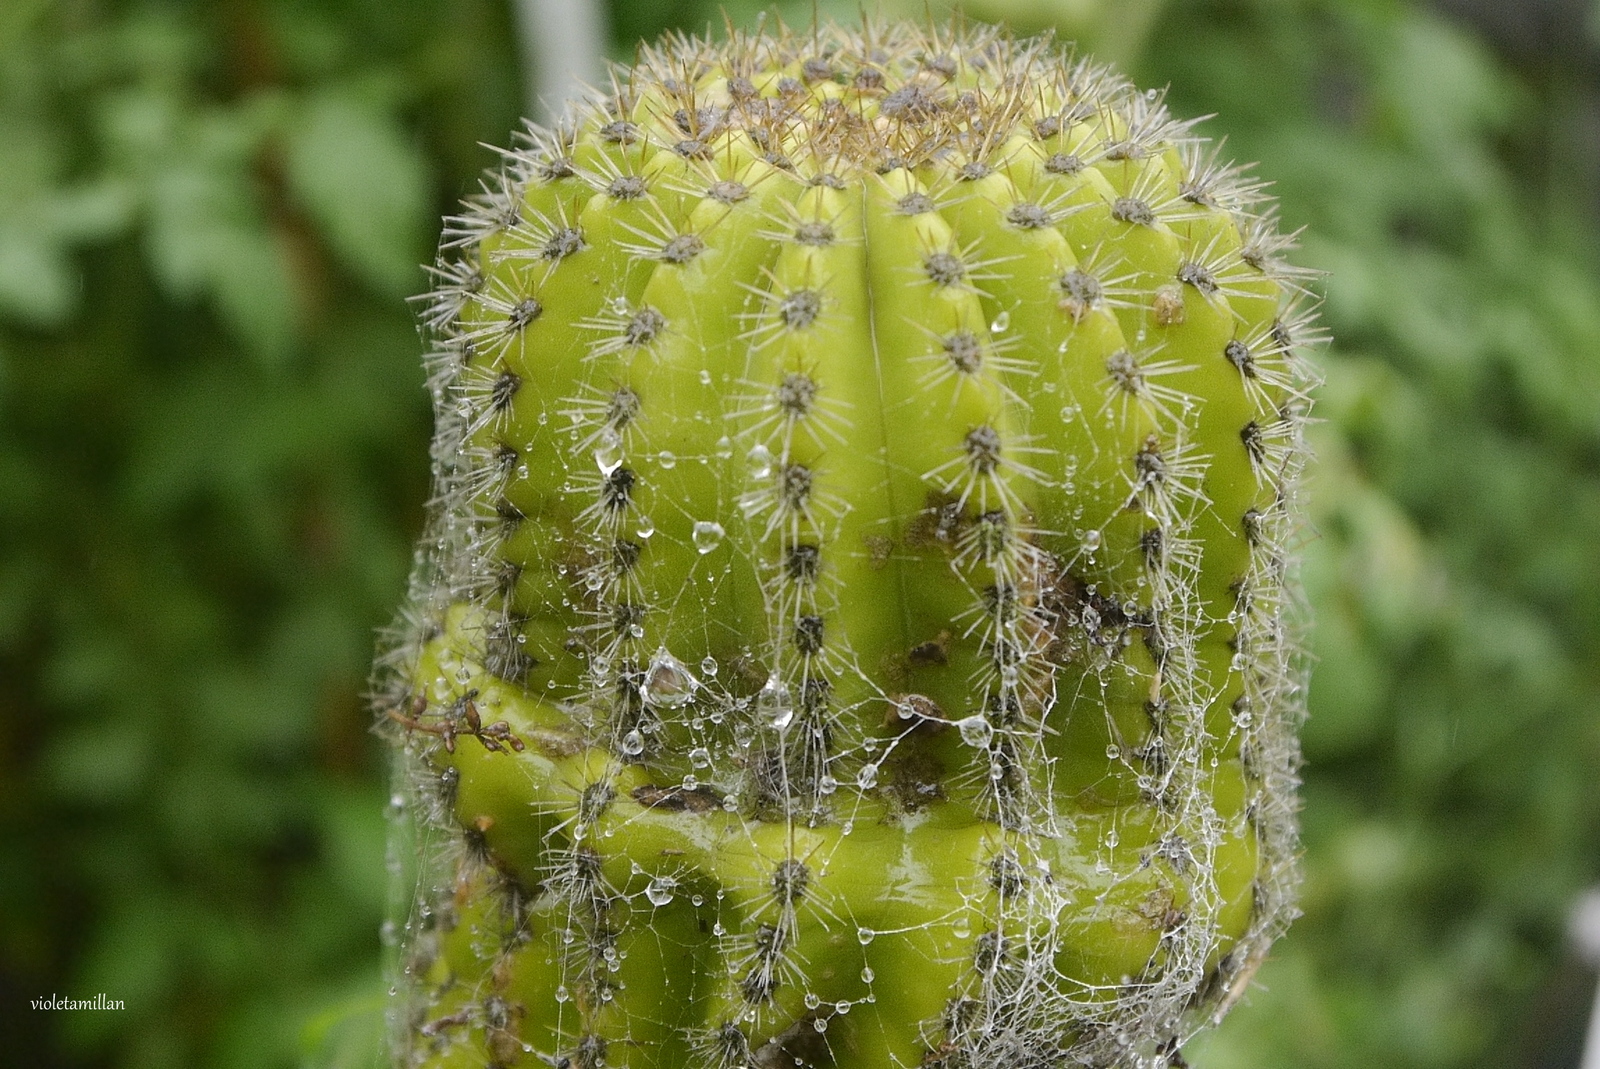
x: 213, y: 462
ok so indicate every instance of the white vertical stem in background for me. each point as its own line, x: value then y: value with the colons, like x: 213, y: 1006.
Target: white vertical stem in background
x: 1591, y: 1046
x: 563, y: 49
x: 1585, y: 930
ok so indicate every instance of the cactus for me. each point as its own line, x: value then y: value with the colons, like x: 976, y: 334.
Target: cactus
x: 855, y: 627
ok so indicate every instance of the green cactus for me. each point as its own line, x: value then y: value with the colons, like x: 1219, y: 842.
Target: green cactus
x: 865, y: 474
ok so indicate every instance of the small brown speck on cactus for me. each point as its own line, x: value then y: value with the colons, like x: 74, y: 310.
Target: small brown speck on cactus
x: 856, y: 623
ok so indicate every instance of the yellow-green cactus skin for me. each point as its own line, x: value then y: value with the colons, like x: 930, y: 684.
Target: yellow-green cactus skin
x: 855, y: 628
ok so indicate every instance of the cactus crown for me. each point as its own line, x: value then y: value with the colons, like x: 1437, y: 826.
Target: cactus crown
x: 865, y: 472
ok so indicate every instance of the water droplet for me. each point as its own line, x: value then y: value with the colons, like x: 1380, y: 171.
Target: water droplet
x: 842, y: 1006
x: 707, y: 535
x: 724, y: 447
x: 867, y: 975
x: 820, y: 1024
x: 1112, y: 838
x: 646, y: 528
x: 1069, y: 413
x: 865, y: 936
x: 397, y: 804
x: 773, y: 707
x: 1113, y: 752
x: 633, y: 744
x: 760, y: 458
x: 522, y: 471
x: 708, y: 665
x: 1091, y: 540
x: 691, y: 783
x: 868, y: 777
x: 660, y: 890
x: 975, y: 731
x: 562, y: 994
x: 705, y: 377
x: 700, y: 757
x: 813, y: 1000
x: 667, y: 459
x: 608, y: 451
x: 668, y: 682
x: 1001, y: 323
x: 962, y: 926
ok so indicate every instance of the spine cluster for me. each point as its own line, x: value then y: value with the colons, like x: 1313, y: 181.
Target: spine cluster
x: 861, y: 556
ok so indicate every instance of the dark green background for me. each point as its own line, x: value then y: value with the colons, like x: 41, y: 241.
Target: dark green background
x: 213, y: 461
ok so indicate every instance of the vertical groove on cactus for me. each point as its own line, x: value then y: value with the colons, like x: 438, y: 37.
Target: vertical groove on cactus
x: 857, y: 622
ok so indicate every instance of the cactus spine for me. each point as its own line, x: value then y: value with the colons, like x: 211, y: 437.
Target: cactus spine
x: 865, y: 469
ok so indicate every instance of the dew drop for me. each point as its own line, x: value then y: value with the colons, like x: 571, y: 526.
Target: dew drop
x: 813, y: 1000
x: 724, y: 447
x: 760, y: 458
x: 820, y: 1024
x: 707, y: 535
x: 668, y: 681
x: 691, y: 783
x: 633, y: 744
x: 975, y: 731
x: 1113, y: 752
x: 1001, y: 323
x: 660, y: 890
x: 708, y: 665
x: 842, y: 1006
x: 864, y: 936
x: 868, y: 777
x: 646, y: 528
x: 1069, y: 413
x: 705, y: 377
x: 867, y: 975
x: 608, y: 452
x: 773, y: 707
x: 700, y: 757
x: 1091, y: 540
x: 667, y: 459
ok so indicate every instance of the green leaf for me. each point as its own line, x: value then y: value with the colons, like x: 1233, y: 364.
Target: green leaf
x: 352, y: 168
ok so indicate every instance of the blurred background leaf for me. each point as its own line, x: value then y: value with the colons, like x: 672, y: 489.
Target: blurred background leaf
x: 213, y: 458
